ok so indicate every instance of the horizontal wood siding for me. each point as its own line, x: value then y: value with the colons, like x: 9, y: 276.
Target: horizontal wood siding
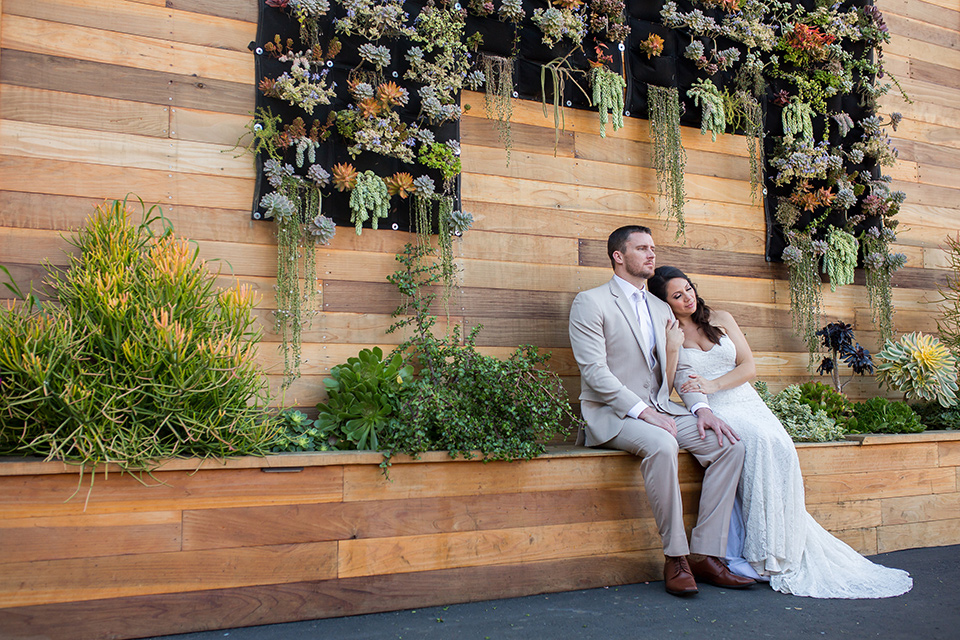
x: 107, y: 97
x: 261, y: 540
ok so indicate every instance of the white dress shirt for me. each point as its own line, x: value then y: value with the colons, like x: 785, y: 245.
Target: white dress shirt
x: 639, y: 299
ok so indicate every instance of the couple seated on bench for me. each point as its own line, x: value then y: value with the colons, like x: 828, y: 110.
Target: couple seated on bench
x: 632, y: 349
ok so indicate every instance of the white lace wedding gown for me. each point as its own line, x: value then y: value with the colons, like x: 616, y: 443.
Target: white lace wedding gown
x: 779, y: 538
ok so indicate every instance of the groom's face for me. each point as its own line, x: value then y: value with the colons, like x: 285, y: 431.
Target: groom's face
x: 639, y: 257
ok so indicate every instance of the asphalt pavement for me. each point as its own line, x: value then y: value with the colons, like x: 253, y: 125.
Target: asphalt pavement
x: 930, y: 611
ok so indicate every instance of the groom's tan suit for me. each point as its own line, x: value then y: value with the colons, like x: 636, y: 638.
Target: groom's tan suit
x: 617, y: 371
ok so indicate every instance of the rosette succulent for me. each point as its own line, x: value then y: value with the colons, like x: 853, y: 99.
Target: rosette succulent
x: 920, y: 366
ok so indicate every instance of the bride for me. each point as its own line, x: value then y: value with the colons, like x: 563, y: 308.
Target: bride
x: 776, y: 536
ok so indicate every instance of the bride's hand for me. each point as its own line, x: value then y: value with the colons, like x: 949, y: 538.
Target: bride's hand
x: 674, y: 336
x: 699, y: 384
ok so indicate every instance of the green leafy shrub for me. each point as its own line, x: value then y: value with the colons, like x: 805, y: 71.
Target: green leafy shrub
x: 469, y: 401
x: 364, y: 398
x: 824, y: 397
x: 879, y: 415
x: 803, y: 423
x: 461, y: 401
x: 143, y: 357
x: 921, y: 367
x: 935, y: 416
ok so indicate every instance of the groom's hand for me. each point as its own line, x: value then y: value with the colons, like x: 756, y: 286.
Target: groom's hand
x: 658, y: 419
x: 707, y: 420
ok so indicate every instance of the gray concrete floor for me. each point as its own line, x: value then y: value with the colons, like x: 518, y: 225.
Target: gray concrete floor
x: 930, y: 611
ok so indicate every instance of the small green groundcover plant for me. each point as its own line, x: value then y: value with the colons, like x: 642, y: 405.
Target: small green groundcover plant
x: 935, y: 416
x: 139, y: 357
x: 803, y: 422
x: 461, y: 401
x: 823, y: 397
x: 879, y: 415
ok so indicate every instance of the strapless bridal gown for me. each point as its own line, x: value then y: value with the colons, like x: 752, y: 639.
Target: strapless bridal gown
x: 779, y: 538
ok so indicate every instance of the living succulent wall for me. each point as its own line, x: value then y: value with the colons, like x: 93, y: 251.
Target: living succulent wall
x: 357, y: 120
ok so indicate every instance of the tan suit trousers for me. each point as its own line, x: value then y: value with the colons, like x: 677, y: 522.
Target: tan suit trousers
x: 659, y: 468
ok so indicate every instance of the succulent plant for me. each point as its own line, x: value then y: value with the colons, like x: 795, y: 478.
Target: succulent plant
x: 920, y: 366
x: 344, y: 176
x: 400, y: 184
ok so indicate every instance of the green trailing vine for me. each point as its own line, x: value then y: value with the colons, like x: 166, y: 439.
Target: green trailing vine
x: 669, y: 156
x: 744, y: 112
x: 805, y: 290
x: 424, y: 206
x: 705, y: 94
x: 369, y: 200
x: 608, y: 88
x: 498, y: 100
x: 841, y: 257
x: 879, y: 265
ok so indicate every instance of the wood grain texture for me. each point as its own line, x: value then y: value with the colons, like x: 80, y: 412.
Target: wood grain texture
x: 878, y: 484
x: 57, y: 73
x: 62, y: 495
x: 505, y: 546
x: 113, y: 48
x: 200, y: 611
x: 913, y: 509
x: 118, y: 576
x: 135, y: 18
x: 911, y: 536
x: 78, y: 111
x: 88, y: 535
x: 289, y: 524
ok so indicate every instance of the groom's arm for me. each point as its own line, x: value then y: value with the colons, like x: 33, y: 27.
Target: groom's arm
x: 693, y: 400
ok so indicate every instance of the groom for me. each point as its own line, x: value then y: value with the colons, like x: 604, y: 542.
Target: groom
x: 618, y: 334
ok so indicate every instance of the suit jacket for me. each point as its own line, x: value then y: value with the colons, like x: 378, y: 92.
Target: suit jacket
x: 615, y: 372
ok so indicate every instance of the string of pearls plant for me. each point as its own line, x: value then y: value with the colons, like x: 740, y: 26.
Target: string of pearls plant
x: 669, y: 156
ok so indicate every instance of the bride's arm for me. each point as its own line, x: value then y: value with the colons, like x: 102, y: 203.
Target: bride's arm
x: 745, y: 371
x: 674, y: 343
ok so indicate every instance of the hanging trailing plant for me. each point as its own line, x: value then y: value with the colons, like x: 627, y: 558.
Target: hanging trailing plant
x: 706, y: 95
x: 560, y: 72
x: 608, y: 88
x: 295, y: 207
x: 802, y: 258
x: 744, y: 112
x: 425, y: 204
x: 841, y: 257
x: 669, y: 156
x: 879, y: 265
x: 498, y: 100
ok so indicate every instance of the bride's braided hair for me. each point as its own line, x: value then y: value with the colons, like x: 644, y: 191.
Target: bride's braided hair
x: 701, y: 317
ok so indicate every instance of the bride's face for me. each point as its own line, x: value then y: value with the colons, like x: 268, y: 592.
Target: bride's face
x: 681, y: 297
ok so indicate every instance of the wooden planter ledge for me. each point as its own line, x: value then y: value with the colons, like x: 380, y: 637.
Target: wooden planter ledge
x: 247, y: 541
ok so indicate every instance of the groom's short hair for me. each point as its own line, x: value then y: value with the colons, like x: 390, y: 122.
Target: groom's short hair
x: 618, y: 239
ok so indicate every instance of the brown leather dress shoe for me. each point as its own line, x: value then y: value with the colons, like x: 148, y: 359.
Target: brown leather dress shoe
x: 677, y: 576
x: 712, y: 571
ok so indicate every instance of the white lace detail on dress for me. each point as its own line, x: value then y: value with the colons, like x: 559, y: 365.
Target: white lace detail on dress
x: 782, y: 540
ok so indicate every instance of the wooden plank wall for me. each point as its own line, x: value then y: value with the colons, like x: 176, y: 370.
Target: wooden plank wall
x: 99, y: 98
x: 229, y: 545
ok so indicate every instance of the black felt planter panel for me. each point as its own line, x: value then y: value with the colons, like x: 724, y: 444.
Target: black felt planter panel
x: 671, y: 68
